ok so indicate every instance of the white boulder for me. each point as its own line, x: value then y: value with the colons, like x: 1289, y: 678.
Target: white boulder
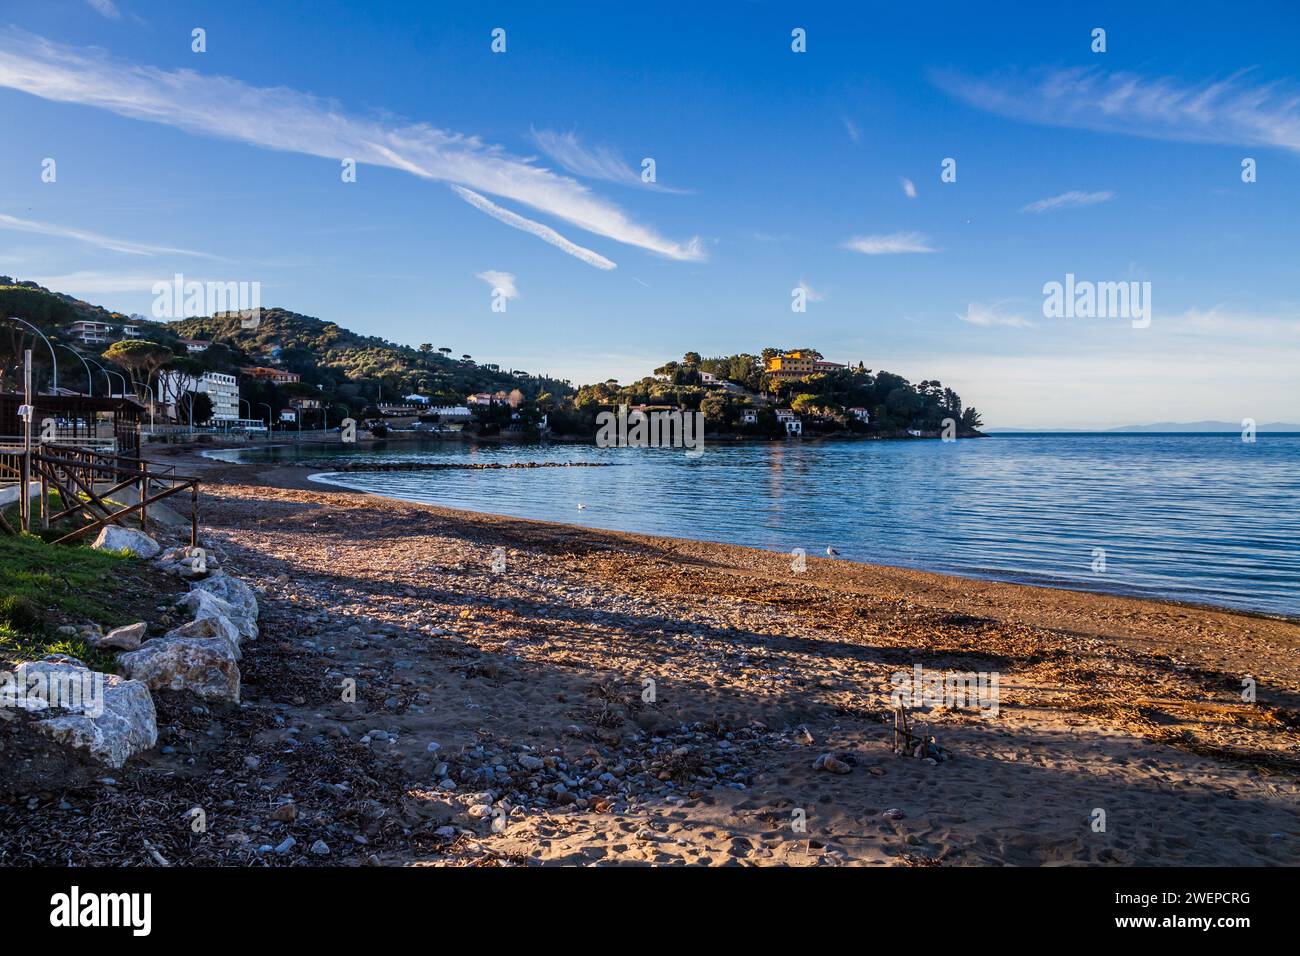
x: 204, y: 604
x: 231, y: 590
x: 203, y: 628
x: 188, y: 563
x: 114, y: 538
x: 204, y: 666
x: 103, y: 717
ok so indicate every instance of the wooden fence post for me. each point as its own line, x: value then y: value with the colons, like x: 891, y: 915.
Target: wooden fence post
x: 144, y: 495
x: 25, y: 502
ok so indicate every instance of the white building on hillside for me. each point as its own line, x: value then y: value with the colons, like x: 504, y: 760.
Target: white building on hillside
x: 91, y: 333
x: 221, y: 388
x: 451, y: 413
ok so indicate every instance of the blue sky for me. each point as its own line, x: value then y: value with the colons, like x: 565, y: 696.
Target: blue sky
x: 775, y: 169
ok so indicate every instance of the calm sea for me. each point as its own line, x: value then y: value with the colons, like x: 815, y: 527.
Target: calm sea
x: 1201, y: 518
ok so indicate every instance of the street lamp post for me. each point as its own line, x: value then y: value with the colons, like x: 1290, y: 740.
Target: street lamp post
x: 107, y: 378
x: 90, y: 377
x: 53, y: 358
x: 268, y: 417
x: 107, y: 373
x: 153, y: 403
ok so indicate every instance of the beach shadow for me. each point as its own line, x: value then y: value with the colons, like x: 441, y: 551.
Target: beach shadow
x: 1022, y: 797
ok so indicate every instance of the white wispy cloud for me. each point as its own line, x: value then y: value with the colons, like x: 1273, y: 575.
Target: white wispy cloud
x: 894, y: 242
x: 541, y: 231
x: 809, y: 293
x: 851, y: 128
x: 592, y: 163
x: 1231, y: 110
x: 91, y: 282
x: 1281, y: 328
x: 95, y: 239
x: 1067, y: 200
x: 909, y: 188
x: 599, y: 162
x: 992, y: 315
x: 105, y: 8
x: 284, y: 119
x: 503, y: 282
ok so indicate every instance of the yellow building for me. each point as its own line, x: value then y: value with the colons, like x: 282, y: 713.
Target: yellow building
x: 798, y: 364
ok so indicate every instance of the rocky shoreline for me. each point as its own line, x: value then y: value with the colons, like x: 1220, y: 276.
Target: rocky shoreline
x: 67, y: 723
x: 443, y: 688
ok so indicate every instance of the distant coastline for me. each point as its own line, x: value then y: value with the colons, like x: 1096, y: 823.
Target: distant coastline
x: 1159, y: 428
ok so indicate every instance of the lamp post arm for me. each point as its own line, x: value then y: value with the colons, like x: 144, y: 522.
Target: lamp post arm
x: 90, y: 377
x: 53, y: 358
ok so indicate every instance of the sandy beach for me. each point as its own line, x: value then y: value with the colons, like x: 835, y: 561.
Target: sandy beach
x: 609, y: 698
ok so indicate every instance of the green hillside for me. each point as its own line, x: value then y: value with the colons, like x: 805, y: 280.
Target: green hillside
x: 357, y: 367
x: 341, y: 369
x: 337, y: 366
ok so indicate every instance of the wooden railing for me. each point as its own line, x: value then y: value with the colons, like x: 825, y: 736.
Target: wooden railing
x: 80, y: 475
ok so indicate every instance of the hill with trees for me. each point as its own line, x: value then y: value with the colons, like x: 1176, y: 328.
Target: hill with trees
x: 342, y: 369
x: 823, y: 400
x: 358, y: 368
x: 336, y: 366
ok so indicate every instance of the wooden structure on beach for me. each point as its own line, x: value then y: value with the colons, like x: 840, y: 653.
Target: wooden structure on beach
x: 87, y: 450
x: 90, y: 485
x: 80, y: 420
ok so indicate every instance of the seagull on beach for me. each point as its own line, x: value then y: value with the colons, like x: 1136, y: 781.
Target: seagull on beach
x: 832, y: 552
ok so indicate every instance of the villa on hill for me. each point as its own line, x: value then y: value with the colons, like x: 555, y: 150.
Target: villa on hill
x: 101, y: 333
x: 799, y: 363
x: 277, y: 375
x: 488, y: 399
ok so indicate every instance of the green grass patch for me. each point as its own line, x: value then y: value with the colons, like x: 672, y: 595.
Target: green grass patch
x: 43, y: 585
x: 53, y: 505
x: 16, y: 647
